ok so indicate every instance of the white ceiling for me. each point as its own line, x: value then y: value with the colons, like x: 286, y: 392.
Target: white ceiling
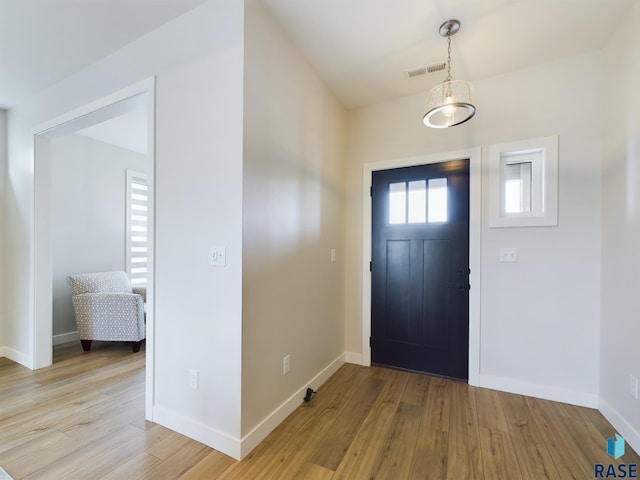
x: 44, y: 41
x: 362, y: 47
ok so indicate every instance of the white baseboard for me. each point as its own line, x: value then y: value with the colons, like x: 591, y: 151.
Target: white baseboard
x: 197, y: 431
x: 16, y: 356
x: 624, y: 428
x: 240, y: 448
x: 537, y: 390
x: 260, y: 432
x: 354, y: 358
x: 66, y: 338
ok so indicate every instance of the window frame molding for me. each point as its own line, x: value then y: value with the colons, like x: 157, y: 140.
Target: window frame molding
x: 544, y: 188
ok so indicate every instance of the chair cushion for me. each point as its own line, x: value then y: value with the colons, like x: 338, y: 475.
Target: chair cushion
x: 104, y: 282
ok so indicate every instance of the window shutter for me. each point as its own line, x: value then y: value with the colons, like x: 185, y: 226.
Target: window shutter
x: 136, y: 227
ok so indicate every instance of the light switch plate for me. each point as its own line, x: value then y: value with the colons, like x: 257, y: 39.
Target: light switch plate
x: 218, y: 256
x: 509, y: 255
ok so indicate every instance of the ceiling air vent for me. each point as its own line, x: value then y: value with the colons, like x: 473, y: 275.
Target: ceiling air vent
x: 426, y: 69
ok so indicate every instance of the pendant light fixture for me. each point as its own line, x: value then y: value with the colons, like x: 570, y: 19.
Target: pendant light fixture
x: 449, y: 103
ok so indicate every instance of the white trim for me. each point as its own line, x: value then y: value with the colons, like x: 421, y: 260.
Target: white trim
x: 150, y: 345
x: 66, y: 338
x: 41, y: 334
x: 475, y: 198
x: 624, y: 428
x: 545, y: 184
x: 198, y: 431
x: 354, y: 358
x: 539, y: 390
x: 264, y: 428
x: 16, y: 356
x: 240, y: 448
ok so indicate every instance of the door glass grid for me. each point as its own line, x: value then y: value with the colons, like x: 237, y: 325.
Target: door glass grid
x: 418, y: 201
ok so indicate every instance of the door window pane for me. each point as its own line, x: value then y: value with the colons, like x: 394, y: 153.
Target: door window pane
x: 397, y: 203
x: 438, y: 200
x: 418, y: 201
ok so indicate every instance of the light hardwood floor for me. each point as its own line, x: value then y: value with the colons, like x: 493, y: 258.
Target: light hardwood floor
x: 83, y: 418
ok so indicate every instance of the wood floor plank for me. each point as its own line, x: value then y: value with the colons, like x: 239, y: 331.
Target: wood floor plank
x: 533, y: 457
x: 570, y: 462
x: 396, y: 455
x: 464, y: 457
x: 431, y: 449
x: 133, y: 468
x: 417, y: 390
x: 498, y: 456
x: 438, y: 405
x: 430, y: 456
x: 310, y: 471
x: 352, y: 406
x: 101, y: 455
x: 180, y: 462
x: 209, y: 468
x: 365, y: 450
x: 490, y: 412
x: 33, y: 445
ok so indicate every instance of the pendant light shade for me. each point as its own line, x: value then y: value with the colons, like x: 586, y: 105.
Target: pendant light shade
x: 451, y: 102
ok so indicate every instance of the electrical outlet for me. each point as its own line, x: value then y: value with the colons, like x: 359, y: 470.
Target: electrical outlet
x: 218, y: 256
x: 286, y: 364
x: 633, y: 386
x: 193, y: 379
x: 333, y: 255
x: 509, y: 255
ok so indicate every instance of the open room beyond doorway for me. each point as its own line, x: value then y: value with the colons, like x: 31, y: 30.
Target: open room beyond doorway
x: 61, y: 144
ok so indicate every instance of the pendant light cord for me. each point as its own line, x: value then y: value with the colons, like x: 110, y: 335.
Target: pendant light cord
x: 448, y: 79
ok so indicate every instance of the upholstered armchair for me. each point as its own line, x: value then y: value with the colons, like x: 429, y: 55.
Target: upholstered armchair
x: 108, y: 308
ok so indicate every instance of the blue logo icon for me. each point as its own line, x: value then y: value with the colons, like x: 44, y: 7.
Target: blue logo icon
x: 615, y: 446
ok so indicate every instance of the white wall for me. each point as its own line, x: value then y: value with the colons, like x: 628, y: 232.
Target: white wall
x: 88, y: 210
x: 539, y: 317
x: 620, y: 332
x: 3, y: 164
x: 293, y: 295
x: 198, y: 63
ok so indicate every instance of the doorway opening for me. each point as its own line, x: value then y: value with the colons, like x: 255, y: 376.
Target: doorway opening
x: 80, y: 221
x: 474, y: 160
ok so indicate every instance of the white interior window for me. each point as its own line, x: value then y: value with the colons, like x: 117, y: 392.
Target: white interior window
x: 521, y: 183
x: 517, y: 187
